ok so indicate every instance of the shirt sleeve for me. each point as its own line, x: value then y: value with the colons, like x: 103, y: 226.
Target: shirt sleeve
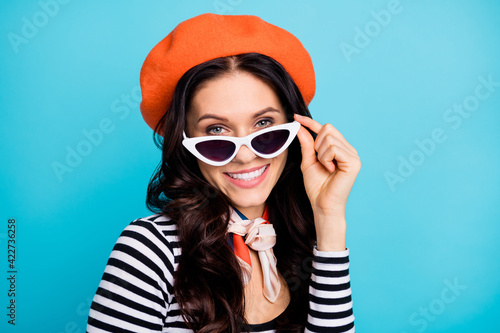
x: 330, y: 303
x: 136, y: 287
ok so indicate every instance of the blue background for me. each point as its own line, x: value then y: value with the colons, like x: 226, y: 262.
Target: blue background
x: 419, y: 218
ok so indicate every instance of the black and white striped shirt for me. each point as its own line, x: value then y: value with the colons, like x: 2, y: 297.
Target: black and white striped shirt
x: 136, y: 290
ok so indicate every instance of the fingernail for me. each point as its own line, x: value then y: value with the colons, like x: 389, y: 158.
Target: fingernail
x: 298, y: 115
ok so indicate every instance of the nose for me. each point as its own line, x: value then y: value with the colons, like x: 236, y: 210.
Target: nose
x: 244, y: 155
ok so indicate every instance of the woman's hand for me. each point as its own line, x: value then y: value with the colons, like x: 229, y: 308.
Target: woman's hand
x: 328, y: 179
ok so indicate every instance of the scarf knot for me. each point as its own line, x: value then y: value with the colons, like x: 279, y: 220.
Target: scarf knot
x: 260, y: 236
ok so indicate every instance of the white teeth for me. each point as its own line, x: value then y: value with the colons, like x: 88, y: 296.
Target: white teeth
x: 248, y: 176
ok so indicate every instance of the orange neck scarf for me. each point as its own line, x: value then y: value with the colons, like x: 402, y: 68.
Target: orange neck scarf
x: 259, y: 235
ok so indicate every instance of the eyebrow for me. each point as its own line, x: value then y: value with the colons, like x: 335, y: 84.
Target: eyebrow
x: 255, y: 115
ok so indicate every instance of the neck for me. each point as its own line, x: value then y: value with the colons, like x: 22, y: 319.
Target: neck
x: 252, y: 213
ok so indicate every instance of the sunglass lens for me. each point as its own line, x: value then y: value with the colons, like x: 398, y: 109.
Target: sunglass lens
x: 270, y: 142
x: 216, y: 150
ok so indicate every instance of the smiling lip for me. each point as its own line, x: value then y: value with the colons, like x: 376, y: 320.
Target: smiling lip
x: 248, y: 178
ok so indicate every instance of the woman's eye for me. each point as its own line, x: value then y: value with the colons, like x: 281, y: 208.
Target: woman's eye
x: 264, y: 123
x: 215, y: 130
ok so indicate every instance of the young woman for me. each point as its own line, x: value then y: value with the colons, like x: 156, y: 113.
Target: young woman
x: 250, y: 195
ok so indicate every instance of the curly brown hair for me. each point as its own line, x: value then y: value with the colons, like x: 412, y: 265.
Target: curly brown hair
x: 208, y: 281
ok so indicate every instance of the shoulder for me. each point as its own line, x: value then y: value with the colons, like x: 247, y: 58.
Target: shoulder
x: 150, y: 241
x: 156, y: 226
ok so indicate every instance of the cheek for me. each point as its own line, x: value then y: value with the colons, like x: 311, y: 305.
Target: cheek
x: 209, y: 172
x: 281, y: 162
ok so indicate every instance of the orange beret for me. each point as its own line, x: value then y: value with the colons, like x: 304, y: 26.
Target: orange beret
x: 209, y: 36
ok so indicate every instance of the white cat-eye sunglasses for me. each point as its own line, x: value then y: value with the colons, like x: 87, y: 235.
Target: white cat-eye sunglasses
x: 220, y: 150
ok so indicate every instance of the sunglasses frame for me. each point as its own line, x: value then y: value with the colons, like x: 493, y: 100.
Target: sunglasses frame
x: 190, y: 143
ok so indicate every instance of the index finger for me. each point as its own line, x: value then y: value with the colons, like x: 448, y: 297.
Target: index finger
x: 316, y: 128
x: 307, y: 147
x: 310, y: 123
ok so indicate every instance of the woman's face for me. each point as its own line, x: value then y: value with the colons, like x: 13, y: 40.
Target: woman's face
x: 239, y: 104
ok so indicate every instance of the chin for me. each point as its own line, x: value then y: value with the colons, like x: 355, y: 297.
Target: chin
x: 249, y: 201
